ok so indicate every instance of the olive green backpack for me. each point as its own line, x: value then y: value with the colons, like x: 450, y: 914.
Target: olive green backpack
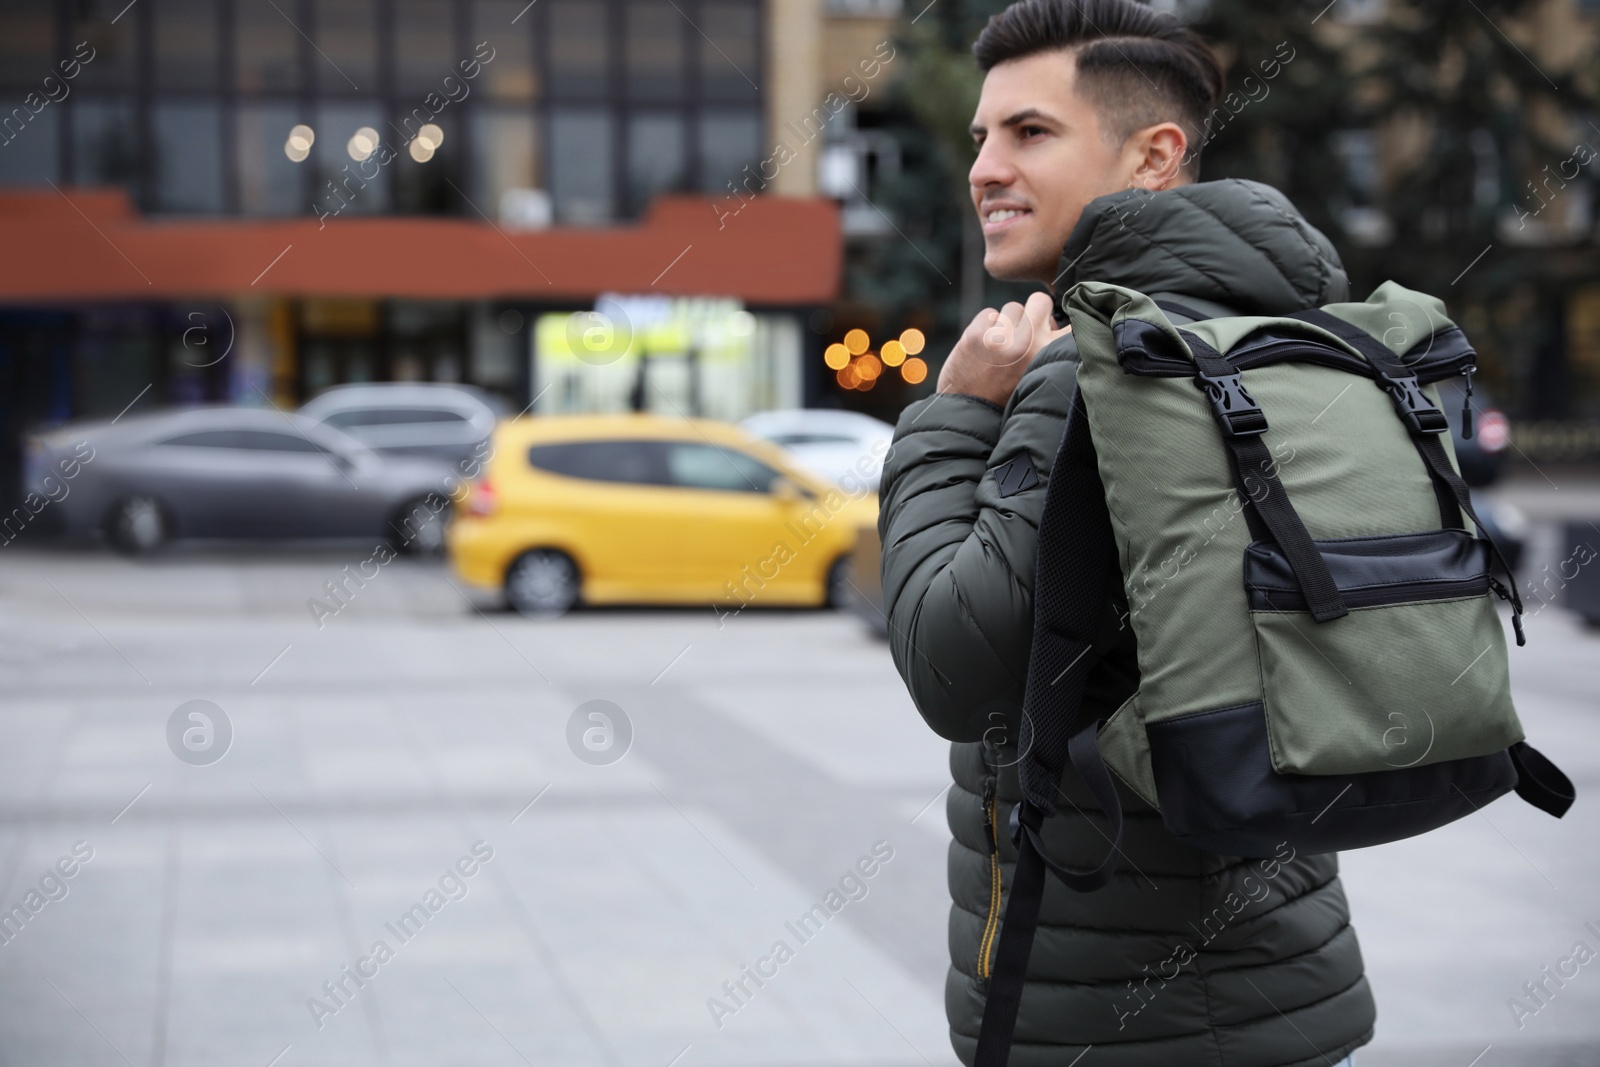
x: 1321, y: 660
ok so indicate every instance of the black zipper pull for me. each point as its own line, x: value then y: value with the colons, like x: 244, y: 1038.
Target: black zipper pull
x: 1466, y: 403
x: 1516, y: 608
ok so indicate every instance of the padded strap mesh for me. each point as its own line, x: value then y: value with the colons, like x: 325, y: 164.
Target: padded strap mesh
x: 1076, y: 566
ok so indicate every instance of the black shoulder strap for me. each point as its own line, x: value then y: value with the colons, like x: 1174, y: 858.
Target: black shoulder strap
x: 1427, y: 425
x: 1256, y: 473
x: 1073, y: 580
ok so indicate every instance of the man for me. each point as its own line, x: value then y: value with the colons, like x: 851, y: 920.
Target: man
x: 1088, y: 132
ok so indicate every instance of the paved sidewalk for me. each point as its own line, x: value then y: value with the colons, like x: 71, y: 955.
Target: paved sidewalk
x: 376, y: 760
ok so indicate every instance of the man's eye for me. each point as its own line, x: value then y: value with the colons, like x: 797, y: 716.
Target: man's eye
x: 1030, y: 131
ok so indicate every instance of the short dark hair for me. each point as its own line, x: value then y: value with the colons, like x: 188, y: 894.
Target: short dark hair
x: 1138, y: 67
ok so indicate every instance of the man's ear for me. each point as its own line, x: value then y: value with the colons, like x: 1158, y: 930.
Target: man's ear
x: 1159, y: 152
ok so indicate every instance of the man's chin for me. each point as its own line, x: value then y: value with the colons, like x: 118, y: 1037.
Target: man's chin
x: 1018, y: 265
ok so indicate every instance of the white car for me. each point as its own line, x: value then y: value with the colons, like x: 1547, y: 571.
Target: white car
x: 408, y: 418
x: 832, y: 444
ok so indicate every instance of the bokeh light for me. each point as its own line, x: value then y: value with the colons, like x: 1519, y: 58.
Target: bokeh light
x: 893, y: 353
x: 362, y: 144
x: 913, y: 370
x: 298, y: 146
x: 432, y: 135
x: 848, y: 377
x: 868, y: 367
x: 857, y: 341
x: 421, y: 150
x: 836, y: 356
x: 912, y: 341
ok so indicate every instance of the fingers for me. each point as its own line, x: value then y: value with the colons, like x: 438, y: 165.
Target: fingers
x: 1040, y: 321
x: 1005, y: 340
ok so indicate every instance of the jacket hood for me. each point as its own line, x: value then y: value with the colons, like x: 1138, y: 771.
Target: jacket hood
x: 1238, y: 243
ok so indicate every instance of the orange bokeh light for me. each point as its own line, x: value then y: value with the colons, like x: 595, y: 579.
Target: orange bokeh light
x: 857, y: 341
x: 912, y: 341
x: 848, y: 377
x: 867, y: 384
x: 836, y: 356
x: 913, y: 370
x: 868, y: 367
x: 893, y: 353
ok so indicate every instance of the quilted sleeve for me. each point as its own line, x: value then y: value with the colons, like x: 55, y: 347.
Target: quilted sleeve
x: 963, y: 488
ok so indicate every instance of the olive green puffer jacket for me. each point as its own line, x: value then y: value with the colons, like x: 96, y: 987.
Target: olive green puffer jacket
x: 1186, y: 957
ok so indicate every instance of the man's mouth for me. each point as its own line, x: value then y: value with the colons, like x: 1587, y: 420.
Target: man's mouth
x: 1000, y: 218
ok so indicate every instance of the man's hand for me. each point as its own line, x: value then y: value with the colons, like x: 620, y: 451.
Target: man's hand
x: 997, y: 348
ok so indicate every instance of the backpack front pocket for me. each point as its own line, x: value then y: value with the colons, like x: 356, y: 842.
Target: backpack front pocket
x: 1415, y: 674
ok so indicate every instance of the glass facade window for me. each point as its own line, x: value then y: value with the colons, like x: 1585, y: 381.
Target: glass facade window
x: 269, y: 184
x: 578, y: 48
x: 347, y: 38
x: 345, y: 185
x: 113, y: 34
x: 28, y: 152
x: 267, y: 48
x: 424, y: 46
x: 188, y: 157
x: 186, y: 53
x: 655, y: 51
x: 730, y: 52
x: 580, y: 166
x: 656, y: 160
x: 432, y: 185
x: 729, y: 140
x: 505, y: 156
x: 600, y: 104
x: 105, y: 143
x: 27, y: 42
x: 507, y: 27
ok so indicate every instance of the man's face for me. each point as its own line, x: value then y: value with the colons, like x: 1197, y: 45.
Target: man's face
x: 1041, y: 158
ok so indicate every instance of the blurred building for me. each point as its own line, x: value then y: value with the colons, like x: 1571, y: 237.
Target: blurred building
x: 577, y: 204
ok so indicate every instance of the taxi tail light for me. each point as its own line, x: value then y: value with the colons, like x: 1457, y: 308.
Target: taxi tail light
x: 480, y: 501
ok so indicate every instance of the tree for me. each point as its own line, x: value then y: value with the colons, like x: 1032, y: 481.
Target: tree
x: 1433, y: 141
x: 1428, y: 143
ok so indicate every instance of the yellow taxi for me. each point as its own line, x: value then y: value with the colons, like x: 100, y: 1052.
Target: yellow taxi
x: 637, y: 509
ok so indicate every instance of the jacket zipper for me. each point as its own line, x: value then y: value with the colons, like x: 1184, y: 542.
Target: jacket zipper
x: 991, y: 833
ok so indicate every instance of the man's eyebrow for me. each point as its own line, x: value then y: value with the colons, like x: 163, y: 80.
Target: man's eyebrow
x: 1027, y: 114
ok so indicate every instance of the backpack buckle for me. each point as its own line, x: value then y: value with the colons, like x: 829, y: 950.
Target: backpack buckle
x: 1421, y: 414
x: 1236, y: 410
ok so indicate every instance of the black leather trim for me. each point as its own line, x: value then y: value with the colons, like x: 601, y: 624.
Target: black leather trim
x: 1369, y: 571
x: 1219, y: 793
x: 1146, y: 349
x: 1016, y: 475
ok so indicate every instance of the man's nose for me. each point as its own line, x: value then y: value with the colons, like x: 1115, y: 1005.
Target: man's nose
x: 991, y: 168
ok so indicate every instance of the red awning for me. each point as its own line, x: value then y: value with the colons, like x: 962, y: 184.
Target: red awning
x: 87, y: 244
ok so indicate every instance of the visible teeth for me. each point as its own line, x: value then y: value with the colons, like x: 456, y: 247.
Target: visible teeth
x: 1003, y: 214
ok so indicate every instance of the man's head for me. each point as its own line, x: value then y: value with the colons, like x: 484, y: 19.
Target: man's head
x: 1080, y: 98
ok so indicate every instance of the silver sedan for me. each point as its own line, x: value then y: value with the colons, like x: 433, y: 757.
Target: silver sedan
x: 228, y: 472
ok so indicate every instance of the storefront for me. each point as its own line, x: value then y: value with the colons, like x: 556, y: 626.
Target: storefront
x: 103, y: 312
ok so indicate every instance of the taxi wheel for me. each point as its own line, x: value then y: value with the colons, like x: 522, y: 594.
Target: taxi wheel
x: 838, y: 589
x: 543, y: 583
